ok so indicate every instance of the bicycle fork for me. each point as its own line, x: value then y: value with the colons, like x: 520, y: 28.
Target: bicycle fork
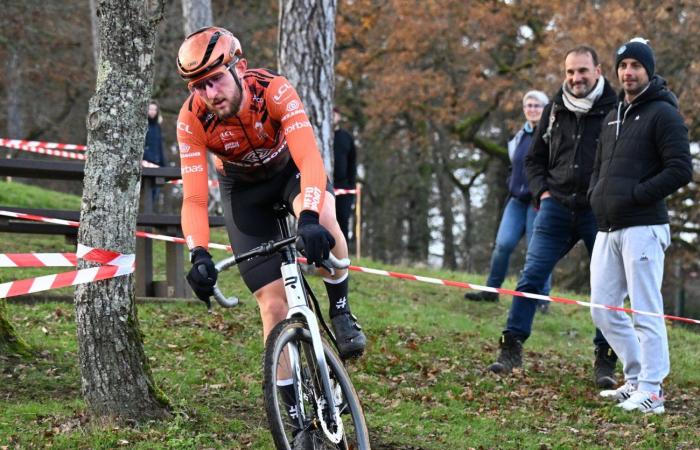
x: 296, y: 299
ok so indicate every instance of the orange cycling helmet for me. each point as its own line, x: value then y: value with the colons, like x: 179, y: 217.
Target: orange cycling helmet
x: 204, y: 51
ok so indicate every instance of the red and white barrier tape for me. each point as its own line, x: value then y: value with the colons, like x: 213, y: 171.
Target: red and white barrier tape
x: 345, y: 191
x: 49, y: 151
x: 405, y: 276
x: 215, y: 183
x: 115, y: 264
x: 38, y: 259
x: 72, y: 223
x: 53, y: 149
x: 211, y: 183
x: 15, y: 143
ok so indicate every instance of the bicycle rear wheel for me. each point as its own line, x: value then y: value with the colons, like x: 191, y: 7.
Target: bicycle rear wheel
x: 296, y: 410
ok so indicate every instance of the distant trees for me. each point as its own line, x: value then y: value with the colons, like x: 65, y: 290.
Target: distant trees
x: 432, y: 88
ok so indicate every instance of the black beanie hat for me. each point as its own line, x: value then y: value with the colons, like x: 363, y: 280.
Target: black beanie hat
x: 638, y: 49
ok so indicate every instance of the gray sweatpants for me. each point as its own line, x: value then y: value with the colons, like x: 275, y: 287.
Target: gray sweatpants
x: 631, y: 261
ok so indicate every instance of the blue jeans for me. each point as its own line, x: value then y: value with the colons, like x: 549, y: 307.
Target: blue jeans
x: 518, y: 219
x: 557, y: 230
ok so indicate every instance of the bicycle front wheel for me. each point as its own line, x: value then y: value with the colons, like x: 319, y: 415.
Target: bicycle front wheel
x: 294, y: 398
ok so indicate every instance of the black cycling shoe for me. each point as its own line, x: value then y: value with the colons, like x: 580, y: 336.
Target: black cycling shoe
x: 348, y: 333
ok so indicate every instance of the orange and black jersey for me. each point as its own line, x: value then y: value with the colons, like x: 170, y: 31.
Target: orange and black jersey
x: 252, y: 146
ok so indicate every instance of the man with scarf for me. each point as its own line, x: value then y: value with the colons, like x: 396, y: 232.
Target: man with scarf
x: 558, y: 166
x: 643, y: 157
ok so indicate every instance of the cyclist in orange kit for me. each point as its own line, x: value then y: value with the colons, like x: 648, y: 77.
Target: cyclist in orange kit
x: 255, y: 123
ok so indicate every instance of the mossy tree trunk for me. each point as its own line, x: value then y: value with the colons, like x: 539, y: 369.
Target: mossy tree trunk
x: 10, y: 342
x: 116, y: 379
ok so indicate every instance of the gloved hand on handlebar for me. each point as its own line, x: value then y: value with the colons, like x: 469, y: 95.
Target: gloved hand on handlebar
x: 317, y: 241
x: 202, y: 276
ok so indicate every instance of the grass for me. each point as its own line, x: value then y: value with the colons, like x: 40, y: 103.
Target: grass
x: 28, y: 196
x: 422, y: 382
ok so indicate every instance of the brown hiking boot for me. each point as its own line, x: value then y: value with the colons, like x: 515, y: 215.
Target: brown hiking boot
x: 511, y: 355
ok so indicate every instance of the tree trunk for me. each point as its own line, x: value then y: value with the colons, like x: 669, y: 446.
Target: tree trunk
x: 13, y: 98
x: 197, y: 14
x: 441, y: 151
x: 10, y: 342
x: 116, y: 380
x: 95, y: 28
x: 306, y: 58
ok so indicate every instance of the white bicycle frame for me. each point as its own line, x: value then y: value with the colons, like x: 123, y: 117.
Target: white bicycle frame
x: 296, y: 300
x: 298, y: 306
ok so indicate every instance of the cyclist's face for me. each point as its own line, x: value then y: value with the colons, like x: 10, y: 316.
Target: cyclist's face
x: 220, y: 92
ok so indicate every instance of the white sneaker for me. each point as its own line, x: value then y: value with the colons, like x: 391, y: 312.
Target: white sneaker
x: 622, y: 393
x: 646, y: 402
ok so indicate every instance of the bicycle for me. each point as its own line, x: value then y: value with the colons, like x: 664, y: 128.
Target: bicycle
x: 309, y: 414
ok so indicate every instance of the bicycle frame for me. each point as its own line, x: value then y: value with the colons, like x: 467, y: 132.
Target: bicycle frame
x: 297, y: 300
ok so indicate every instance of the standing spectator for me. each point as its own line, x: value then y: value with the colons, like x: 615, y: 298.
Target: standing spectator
x: 559, y: 165
x: 519, y: 213
x: 643, y: 157
x: 153, y: 151
x: 344, y: 172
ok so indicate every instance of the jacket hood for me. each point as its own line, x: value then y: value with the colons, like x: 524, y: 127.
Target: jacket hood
x: 608, y: 97
x: 657, y: 90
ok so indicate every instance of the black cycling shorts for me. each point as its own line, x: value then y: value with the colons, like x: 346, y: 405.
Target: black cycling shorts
x: 251, y: 221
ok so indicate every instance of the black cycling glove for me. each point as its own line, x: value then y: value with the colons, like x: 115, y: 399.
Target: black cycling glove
x: 202, y: 276
x: 317, y: 241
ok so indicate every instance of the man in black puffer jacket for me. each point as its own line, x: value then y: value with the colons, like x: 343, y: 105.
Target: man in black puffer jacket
x: 642, y: 158
x: 558, y: 166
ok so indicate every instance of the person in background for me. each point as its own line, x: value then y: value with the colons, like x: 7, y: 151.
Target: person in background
x: 344, y: 172
x: 643, y: 157
x: 559, y: 166
x: 519, y: 214
x: 153, y: 150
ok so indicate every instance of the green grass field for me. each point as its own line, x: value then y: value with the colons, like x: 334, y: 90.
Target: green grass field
x: 422, y: 382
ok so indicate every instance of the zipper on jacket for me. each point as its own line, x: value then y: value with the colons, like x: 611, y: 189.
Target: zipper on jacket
x: 618, y: 126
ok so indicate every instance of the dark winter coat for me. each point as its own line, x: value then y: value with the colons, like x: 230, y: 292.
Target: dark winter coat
x: 643, y: 157
x: 344, y: 160
x: 517, y: 149
x: 153, y: 152
x: 564, y: 168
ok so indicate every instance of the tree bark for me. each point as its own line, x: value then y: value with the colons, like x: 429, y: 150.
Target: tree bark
x: 441, y: 150
x: 95, y: 28
x: 197, y: 14
x: 116, y: 380
x: 10, y: 342
x: 306, y: 57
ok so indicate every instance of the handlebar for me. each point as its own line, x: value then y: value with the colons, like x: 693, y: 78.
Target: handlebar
x: 263, y: 250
